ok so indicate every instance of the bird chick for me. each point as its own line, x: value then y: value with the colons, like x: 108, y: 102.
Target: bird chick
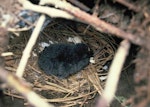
x: 63, y: 60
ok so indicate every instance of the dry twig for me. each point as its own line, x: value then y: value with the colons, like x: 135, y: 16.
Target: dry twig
x: 79, y: 4
x: 28, y: 49
x: 129, y: 5
x: 114, y: 74
x: 52, y: 12
x: 22, y: 88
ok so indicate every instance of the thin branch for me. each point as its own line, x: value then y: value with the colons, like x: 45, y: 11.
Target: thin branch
x: 114, y: 74
x: 22, y: 87
x: 95, y: 13
x: 28, y: 49
x: 129, y: 5
x: 52, y: 12
x: 80, y: 5
x: 4, y: 54
x: 96, y: 8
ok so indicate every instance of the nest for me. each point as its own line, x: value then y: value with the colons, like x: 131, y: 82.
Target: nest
x: 78, y: 89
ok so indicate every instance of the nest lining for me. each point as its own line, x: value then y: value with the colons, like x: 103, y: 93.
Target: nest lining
x: 79, y: 88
